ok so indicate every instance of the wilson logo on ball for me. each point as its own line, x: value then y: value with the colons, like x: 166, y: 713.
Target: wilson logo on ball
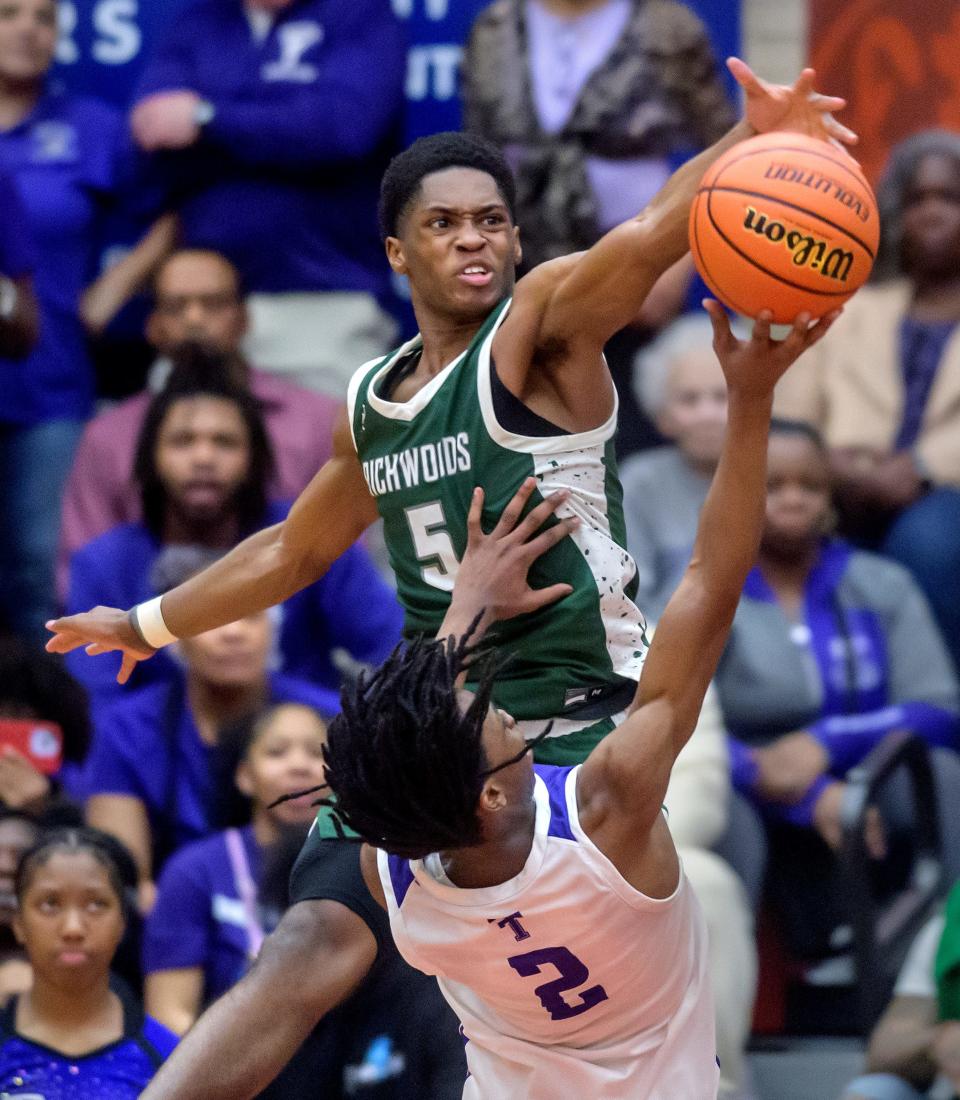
x: 805, y: 250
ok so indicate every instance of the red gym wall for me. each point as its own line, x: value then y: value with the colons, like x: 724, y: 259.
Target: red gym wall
x: 896, y: 61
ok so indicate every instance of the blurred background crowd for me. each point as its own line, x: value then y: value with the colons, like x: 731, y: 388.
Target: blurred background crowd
x: 190, y: 272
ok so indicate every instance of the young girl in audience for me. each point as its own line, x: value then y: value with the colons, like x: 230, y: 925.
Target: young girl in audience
x: 209, y: 920
x: 71, y: 1036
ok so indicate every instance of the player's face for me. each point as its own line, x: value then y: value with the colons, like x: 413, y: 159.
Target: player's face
x: 798, y: 494
x: 694, y: 414
x: 931, y: 218
x: 286, y: 756
x: 28, y: 38
x: 70, y: 920
x: 502, y: 740
x: 197, y: 300
x: 202, y: 457
x: 457, y: 245
x: 232, y: 656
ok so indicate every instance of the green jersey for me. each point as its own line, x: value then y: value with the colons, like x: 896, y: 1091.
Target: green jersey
x: 575, y: 662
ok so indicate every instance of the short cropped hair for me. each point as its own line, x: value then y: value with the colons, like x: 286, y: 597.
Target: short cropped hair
x: 435, y: 153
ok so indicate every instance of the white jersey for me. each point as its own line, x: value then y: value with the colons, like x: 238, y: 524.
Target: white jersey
x: 569, y: 983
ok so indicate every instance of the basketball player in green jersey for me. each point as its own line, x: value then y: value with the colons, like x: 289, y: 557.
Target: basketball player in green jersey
x: 502, y: 382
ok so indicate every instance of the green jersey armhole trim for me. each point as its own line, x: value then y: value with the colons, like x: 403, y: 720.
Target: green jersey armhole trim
x: 526, y: 444
x: 353, y: 388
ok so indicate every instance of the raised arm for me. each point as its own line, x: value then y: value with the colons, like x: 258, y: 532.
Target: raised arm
x: 583, y: 300
x: 625, y: 778
x: 265, y: 569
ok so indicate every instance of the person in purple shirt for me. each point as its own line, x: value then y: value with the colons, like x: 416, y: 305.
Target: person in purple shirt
x: 203, y: 465
x: 68, y: 158
x: 71, y: 1036
x: 210, y: 919
x: 197, y: 297
x: 274, y: 120
x: 831, y: 649
x: 155, y: 773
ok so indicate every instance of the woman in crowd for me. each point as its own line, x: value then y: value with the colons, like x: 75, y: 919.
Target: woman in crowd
x: 209, y: 920
x: 203, y: 465
x: 884, y: 390
x: 67, y: 159
x: 159, y: 761
x: 70, y: 1035
x: 831, y: 649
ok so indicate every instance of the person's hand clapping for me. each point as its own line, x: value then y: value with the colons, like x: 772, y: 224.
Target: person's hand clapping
x: 796, y: 107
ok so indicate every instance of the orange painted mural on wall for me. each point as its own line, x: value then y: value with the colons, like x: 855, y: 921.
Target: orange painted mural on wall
x: 896, y: 61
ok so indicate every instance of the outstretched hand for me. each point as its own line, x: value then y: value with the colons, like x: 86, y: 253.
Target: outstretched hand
x: 752, y: 367
x: 102, y: 630
x: 492, y: 577
x: 796, y: 107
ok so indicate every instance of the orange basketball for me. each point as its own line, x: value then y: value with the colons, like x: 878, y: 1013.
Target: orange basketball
x: 784, y: 222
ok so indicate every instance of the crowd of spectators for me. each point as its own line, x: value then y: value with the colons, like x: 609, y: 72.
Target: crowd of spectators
x: 260, y: 269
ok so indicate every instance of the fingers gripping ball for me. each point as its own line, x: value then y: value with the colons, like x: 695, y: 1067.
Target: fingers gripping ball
x: 784, y: 222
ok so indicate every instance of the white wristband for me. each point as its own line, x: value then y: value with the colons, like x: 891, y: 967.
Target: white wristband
x: 151, y: 625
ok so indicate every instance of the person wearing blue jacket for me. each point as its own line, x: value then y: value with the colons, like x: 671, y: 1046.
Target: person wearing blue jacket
x: 203, y: 461
x: 832, y: 648
x: 69, y: 159
x: 274, y: 120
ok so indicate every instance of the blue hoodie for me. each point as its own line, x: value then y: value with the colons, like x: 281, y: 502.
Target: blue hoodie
x: 285, y: 178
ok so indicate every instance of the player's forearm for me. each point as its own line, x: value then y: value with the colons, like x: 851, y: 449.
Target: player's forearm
x: 255, y: 575
x: 670, y: 207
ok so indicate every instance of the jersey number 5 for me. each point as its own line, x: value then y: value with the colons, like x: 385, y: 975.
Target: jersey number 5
x: 572, y: 973
x: 431, y: 542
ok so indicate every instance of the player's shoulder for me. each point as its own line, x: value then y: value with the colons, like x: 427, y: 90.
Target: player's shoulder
x: 118, y: 541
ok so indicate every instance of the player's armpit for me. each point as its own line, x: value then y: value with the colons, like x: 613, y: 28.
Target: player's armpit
x: 371, y: 875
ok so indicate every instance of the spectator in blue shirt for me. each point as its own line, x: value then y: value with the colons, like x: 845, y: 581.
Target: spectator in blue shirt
x: 159, y: 766
x: 66, y: 157
x: 831, y: 649
x: 203, y: 464
x: 210, y: 920
x: 71, y: 1036
x: 274, y: 120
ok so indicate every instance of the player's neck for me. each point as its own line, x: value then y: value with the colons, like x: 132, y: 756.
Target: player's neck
x: 936, y: 299
x: 443, y: 341
x: 498, y: 859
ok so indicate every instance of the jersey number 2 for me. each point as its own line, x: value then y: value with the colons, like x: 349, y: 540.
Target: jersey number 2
x: 573, y: 974
x: 431, y: 542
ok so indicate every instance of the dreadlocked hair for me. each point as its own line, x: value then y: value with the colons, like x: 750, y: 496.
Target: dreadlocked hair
x: 405, y: 763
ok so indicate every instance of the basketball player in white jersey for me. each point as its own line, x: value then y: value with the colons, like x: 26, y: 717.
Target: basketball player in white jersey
x: 549, y: 901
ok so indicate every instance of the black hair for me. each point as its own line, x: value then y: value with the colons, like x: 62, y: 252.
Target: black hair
x: 202, y: 372
x: 405, y: 764
x: 434, y: 153
x: 782, y: 426
x: 35, y: 684
x: 104, y: 848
